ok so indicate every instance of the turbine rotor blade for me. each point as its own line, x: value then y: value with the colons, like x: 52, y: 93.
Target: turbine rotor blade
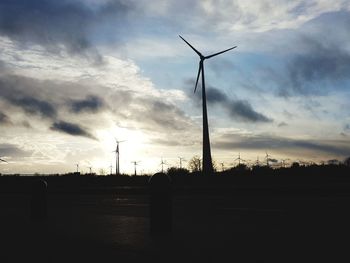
x: 199, y: 72
x: 195, y: 50
x: 3, y: 161
x: 213, y: 55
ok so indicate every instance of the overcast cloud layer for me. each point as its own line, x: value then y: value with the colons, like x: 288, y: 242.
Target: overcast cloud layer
x: 75, y: 75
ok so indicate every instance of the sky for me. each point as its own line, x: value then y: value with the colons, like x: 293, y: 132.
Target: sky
x: 77, y: 75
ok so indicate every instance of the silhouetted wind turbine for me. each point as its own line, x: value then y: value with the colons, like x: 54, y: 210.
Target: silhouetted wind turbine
x: 77, y: 167
x: 135, y: 164
x: 239, y: 159
x: 117, y: 163
x: 181, y: 159
x: 162, y: 163
x: 90, y: 168
x: 207, y: 162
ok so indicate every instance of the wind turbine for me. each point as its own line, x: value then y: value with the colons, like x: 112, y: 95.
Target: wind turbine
x: 239, y: 159
x: 181, y: 159
x: 90, y: 168
x: 117, y: 164
x: 135, y: 164
x: 77, y: 165
x: 207, y: 162
x: 111, y: 167
x: 162, y: 164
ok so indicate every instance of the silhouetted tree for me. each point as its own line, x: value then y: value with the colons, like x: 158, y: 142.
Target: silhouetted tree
x: 195, y: 164
x: 347, y: 161
x: 175, y: 171
x: 333, y: 162
x: 295, y: 165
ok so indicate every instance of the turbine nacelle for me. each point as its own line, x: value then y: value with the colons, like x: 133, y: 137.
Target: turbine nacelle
x: 202, y: 58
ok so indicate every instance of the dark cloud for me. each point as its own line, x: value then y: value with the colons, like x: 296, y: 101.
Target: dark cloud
x: 91, y: 103
x: 35, y: 106
x: 53, y: 23
x: 282, y: 124
x: 163, y: 115
x: 237, y: 109
x: 20, y: 92
x: 321, y: 62
x: 215, y: 96
x: 318, y: 60
x: 71, y: 129
x: 13, y: 151
x: 279, y: 143
x: 243, y: 111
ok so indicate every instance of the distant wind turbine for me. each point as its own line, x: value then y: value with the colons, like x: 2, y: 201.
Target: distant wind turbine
x: 135, y: 164
x: 181, y: 160
x: 77, y: 165
x: 207, y: 162
x: 239, y: 159
x: 111, y: 167
x: 162, y: 163
x: 117, y: 152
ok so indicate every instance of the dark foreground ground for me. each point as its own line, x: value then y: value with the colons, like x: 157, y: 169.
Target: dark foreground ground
x: 289, y: 222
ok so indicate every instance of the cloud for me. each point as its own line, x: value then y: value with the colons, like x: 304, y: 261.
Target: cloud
x: 23, y: 93
x: 238, y: 109
x: 71, y: 129
x: 54, y: 24
x: 263, y: 142
x: 90, y: 104
x: 241, y: 109
x: 35, y: 106
x: 282, y: 124
x: 158, y: 115
x: 13, y: 151
x: 322, y: 62
x: 317, y: 61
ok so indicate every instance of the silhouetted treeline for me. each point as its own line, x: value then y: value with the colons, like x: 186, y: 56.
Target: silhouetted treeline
x: 330, y: 175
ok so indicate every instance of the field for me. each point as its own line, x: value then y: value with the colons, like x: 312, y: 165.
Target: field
x: 245, y: 219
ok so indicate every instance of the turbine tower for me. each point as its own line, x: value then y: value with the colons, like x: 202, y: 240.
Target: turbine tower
x: 162, y: 163
x: 181, y: 160
x: 207, y: 162
x: 239, y: 159
x: 117, y: 163
x: 135, y: 164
